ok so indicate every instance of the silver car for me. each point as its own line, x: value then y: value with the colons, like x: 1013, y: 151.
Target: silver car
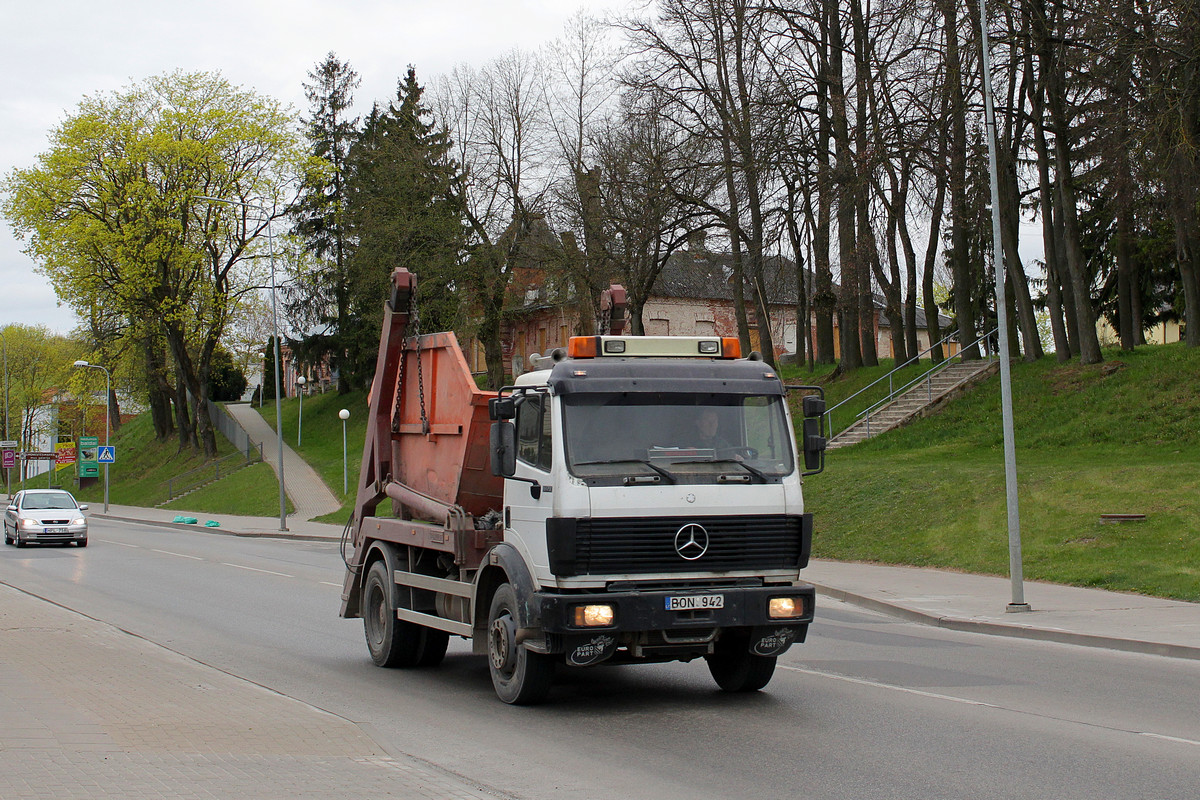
x: 45, y: 516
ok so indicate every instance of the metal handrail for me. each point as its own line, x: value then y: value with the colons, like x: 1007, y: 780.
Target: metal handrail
x: 928, y: 376
x: 888, y: 377
x: 186, y: 481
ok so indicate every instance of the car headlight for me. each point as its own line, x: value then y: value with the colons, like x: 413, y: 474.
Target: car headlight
x: 79, y: 521
x: 25, y: 522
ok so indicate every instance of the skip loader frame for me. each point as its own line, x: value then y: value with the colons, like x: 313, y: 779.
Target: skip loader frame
x: 502, y: 530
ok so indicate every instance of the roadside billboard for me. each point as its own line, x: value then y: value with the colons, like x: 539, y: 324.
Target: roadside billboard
x: 88, y: 466
x: 64, y: 455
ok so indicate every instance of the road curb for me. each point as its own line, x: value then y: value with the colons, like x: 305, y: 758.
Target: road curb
x: 199, y: 528
x: 1014, y: 631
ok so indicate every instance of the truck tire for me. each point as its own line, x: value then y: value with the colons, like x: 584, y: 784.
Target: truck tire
x: 520, y: 676
x: 394, y: 642
x: 736, y: 669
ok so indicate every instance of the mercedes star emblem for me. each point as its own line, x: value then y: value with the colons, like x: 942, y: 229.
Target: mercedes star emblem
x: 691, y: 541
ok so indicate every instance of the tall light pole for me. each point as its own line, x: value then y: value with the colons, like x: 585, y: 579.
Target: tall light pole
x: 1010, y: 460
x: 107, y: 417
x: 300, y: 381
x: 275, y: 335
x: 344, y: 415
x: 7, y: 471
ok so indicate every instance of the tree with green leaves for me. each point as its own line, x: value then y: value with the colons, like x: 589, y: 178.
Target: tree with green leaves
x: 39, y: 368
x: 114, y: 214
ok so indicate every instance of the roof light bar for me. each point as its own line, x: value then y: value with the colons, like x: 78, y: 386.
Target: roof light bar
x: 654, y: 346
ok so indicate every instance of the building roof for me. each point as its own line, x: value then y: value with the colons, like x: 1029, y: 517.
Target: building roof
x: 709, y: 276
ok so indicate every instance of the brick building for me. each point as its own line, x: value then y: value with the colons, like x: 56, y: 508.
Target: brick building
x: 693, y: 297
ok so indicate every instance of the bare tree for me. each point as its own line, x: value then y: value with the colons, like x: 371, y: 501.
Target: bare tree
x: 497, y: 118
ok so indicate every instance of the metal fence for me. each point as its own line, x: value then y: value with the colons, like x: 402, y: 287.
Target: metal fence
x: 248, y: 452
x: 233, y: 431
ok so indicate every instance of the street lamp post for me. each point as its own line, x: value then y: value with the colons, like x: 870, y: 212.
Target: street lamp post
x: 1016, y: 576
x: 7, y: 471
x: 344, y: 415
x: 300, y: 381
x: 107, y: 417
x: 275, y: 335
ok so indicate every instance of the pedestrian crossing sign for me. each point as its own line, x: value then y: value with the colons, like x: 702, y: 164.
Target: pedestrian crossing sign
x: 106, y: 454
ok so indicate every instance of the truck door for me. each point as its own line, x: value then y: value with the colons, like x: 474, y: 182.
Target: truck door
x: 535, y: 458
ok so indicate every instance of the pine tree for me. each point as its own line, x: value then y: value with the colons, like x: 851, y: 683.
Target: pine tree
x: 402, y: 213
x: 319, y: 299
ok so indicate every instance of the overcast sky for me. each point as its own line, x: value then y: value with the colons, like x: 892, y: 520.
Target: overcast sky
x: 55, y: 52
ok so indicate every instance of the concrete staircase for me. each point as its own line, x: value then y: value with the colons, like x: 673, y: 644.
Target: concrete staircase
x: 922, y: 399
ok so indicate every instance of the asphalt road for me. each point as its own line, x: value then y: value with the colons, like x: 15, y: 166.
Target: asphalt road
x: 870, y: 707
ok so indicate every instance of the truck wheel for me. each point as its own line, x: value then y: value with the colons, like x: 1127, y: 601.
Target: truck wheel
x: 736, y: 669
x: 521, y: 677
x: 392, y: 642
x: 433, y: 648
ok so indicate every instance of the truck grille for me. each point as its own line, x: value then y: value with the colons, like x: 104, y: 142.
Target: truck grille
x: 643, y: 545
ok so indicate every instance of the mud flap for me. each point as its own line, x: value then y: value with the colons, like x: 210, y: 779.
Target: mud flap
x: 583, y: 651
x: 771, y: 640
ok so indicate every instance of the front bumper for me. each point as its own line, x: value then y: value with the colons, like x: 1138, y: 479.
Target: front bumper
x: 644, y: 628
x: 52, y: 534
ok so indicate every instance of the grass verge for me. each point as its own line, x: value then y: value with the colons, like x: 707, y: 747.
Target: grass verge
x: 1118, y: 437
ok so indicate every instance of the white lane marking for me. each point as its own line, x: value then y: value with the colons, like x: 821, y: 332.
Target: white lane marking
x: 1170, y: 738
x: 181, y: 555
x: 966, y: 701
x: 327, y: 583
x: 905, y: 689
x: 256, y: 569
x: 123, y: 544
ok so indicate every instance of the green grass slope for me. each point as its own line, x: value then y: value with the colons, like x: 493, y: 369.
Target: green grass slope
x: 1117, y: 437
x: 321, y: 441
x: 144, y: 465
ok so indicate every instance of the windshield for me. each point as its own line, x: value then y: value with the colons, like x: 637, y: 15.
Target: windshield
x: 676, y: 438
x: 48, y: 500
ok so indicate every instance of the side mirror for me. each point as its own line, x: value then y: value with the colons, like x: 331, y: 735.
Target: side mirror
x: 500, y: 408
x: 503, y: 446
x: 814, y: 445
x: 813, y: 406
x: 83, y: 507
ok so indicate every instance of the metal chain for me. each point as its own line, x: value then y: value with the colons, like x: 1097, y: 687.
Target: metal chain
x: 400, y: 382
x: 416, y: 324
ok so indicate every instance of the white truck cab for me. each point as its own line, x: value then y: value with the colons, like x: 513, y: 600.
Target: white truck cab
x: 653, y: 490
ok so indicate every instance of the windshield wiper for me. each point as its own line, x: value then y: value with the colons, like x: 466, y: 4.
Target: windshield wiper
x: 755, y: 471
x: 641, y: 461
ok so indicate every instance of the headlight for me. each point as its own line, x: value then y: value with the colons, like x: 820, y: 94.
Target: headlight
x: 25, y: 522
x: 595, y: 616
x: 785, y: 607
x: 78, y: 521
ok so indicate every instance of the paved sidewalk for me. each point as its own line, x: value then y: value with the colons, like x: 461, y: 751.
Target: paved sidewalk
x: 227, y: 523
x: 946, y: 599
x: 304, y: 487
x: 979, y: 603
x: 88, y: 711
